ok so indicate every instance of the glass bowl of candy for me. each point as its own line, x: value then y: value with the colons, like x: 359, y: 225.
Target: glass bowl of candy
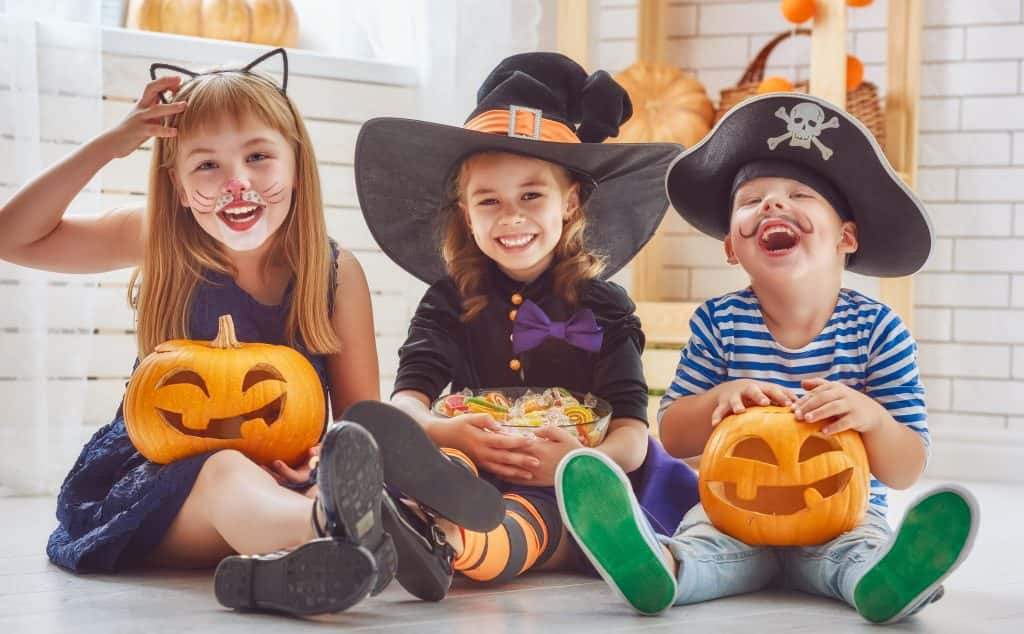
x: 524, y: 409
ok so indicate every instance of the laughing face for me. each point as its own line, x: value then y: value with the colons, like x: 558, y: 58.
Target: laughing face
x: 781, y: 227
x: 516, y: 207
x: 237, y: 178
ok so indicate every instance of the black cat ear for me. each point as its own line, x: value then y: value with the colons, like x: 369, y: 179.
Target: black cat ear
x: 284, y: 66
x: 156, y: 71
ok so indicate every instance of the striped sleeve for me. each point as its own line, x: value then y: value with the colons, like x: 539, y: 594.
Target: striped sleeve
x: 891, y: 375
x: 701, y: 362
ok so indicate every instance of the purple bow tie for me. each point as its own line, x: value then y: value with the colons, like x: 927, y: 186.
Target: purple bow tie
x: 532, y: 326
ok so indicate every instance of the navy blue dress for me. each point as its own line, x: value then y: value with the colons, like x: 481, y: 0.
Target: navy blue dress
x: 115, y: 506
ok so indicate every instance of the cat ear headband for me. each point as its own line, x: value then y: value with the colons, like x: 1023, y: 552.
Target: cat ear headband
x: 247, y: 69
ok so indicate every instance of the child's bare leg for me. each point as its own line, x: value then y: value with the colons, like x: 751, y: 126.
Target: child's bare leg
x: 234, y: 506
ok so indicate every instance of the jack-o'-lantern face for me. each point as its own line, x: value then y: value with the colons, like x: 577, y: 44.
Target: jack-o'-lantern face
x: 766, y: 478
x: 190, y: 397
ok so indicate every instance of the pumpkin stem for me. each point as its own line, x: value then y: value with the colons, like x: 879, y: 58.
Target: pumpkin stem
x: 225, y: 334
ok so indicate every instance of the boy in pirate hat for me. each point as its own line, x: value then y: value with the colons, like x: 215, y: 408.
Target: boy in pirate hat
x: 516, y: 220
x: 798, y: 190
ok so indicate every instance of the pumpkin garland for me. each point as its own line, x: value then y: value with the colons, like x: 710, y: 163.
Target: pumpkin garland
x: 769, y: 479
x: 270, y: 22
x: 190, y: 397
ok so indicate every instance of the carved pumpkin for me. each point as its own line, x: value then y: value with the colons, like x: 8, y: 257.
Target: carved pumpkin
x: 258, y: 21
x: 190, y: 397
x: 769, y: 479
x: 668, y: 105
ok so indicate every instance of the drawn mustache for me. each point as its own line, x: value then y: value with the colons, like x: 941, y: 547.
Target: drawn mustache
x: 790, y: 220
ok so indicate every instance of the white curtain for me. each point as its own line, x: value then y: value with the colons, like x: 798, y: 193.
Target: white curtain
x: 50, y: 102
x: 453, y: 43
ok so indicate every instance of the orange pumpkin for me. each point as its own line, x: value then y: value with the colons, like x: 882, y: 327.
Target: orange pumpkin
x: 668, y: 105
x: 190, y: 397
x: 774, y: 84
x: 768, y: 479
x: 270, y: 22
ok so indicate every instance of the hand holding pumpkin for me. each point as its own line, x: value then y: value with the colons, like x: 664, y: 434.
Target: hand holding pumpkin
x: 848, y: 408
x: 733, y: 397
x: 284, y: 473
x: 145, y: 120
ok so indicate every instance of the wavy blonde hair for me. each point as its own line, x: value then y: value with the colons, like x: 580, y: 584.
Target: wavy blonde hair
x: 178, y: 251
x: 468, y: 266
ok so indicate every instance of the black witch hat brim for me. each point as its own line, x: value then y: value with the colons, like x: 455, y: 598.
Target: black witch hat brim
x: 402, y: 167
x: 893, y: 229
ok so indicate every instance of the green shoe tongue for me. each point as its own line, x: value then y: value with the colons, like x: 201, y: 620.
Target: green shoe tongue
x: 934, y: 537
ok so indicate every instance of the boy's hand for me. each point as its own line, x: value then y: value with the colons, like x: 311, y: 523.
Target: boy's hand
x: 145, y: 120
x: 735, y: 396
x: 848, y: 408
x: 552, y: 445
x: 490, y: 447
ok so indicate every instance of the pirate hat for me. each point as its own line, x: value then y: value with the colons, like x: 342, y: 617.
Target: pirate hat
x: 780, y: 134
x: 540, y: 105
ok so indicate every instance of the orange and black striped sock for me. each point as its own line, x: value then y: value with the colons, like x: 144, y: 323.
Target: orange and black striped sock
x: 527, y: 537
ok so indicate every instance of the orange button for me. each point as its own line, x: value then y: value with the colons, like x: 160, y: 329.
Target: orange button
x: 514, y: 364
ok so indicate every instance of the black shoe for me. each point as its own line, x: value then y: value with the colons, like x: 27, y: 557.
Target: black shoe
x: 320, y: 576
x: 415, y: 467
x: 351, y: 488
x: 424, y: 556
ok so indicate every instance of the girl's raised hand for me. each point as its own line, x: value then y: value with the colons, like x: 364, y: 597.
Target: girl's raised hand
x: 145, y: 120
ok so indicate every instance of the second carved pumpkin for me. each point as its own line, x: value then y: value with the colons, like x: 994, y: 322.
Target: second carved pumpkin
x: 769, y: 479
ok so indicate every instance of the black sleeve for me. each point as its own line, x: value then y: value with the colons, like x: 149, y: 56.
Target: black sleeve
x: 619, y: 374
x: 430, y: 355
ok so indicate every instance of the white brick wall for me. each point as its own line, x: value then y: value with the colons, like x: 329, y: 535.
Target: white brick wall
x: 970, y: 296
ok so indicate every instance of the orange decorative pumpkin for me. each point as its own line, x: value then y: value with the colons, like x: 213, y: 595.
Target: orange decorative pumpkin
x: 769, y: 479
x: 270, y: 22
x: 668, y: 105
x: 190, y: 397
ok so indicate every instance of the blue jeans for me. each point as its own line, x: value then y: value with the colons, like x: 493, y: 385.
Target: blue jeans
x: 714, y: 565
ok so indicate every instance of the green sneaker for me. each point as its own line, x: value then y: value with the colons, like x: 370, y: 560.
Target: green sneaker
x: 936, y: 535
x: 600, y: 510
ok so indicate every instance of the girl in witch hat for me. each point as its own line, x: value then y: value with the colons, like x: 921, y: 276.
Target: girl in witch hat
x: 234, y: 226
x: 515, y: 220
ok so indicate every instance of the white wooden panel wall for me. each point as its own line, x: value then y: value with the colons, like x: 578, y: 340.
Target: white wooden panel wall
x: 100, y: 344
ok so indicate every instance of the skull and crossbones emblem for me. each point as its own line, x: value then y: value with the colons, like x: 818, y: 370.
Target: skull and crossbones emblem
x: 804, y: 122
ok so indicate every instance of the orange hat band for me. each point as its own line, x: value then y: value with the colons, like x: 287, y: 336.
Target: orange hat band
x: 524, y: 123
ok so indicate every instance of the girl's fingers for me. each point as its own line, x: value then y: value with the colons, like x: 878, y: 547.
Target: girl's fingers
x: 482, y: 421
x: 507, y: 441
x: 157, y: 86
x: 720, y: 412
x: 160, y: 131
x: 160, y: 110
x: 505, y: 471
x: 514, y: 459
x: 736, y: 403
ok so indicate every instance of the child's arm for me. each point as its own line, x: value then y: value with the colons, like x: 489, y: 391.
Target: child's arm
x: 687, y: 422
x: 896, y: 453
x: 33, y: 231
x: 353, y: 370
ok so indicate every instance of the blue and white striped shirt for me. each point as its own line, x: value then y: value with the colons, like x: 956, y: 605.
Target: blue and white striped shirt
x: 864, y: 345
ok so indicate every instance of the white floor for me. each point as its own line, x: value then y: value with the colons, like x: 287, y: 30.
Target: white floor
x: 985, y: 595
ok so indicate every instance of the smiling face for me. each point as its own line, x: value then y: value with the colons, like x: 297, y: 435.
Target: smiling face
x: 783, y: 229
x: 766, y: 478
x: 516, y: 207
x: 238, y: 178
x: 189, y: 397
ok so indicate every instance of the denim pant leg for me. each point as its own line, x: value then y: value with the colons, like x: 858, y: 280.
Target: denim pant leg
x: 833, y: 569
x: 714, y: 565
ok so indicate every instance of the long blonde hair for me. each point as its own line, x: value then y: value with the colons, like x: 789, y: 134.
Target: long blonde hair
x: 468, y: 266
x: 178, y: 251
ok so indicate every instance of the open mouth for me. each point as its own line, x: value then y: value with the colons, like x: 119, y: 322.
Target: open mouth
x: 516, y: 242
x: 784, y: 500
x: 241, y: 217
x: 226, y: 428
x: 777, y: 238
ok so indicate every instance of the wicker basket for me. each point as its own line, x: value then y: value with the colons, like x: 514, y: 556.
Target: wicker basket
x: 862, y: 102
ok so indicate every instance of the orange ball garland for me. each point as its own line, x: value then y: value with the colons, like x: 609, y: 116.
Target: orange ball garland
x: 774, y: 84
x: 854, y: 72
x: 798, y: 11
